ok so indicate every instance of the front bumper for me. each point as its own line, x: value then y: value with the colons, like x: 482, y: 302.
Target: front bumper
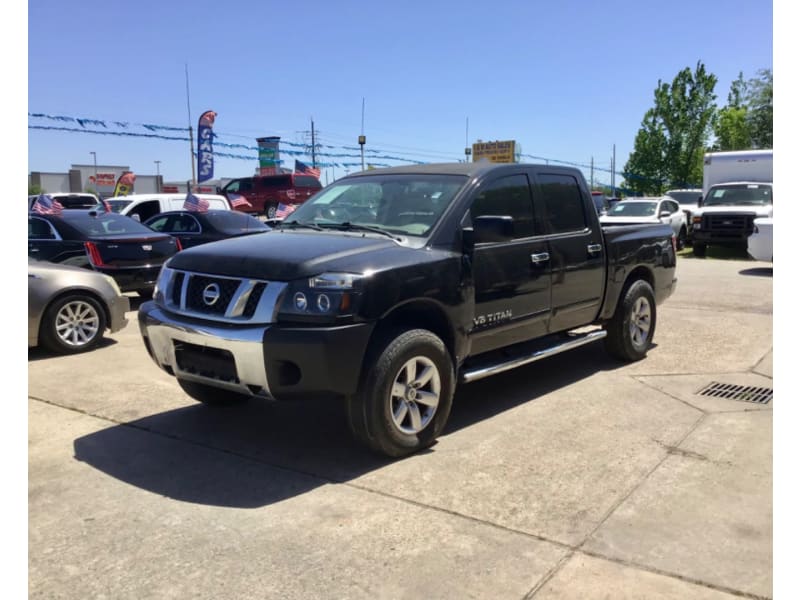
x: 271, y: 361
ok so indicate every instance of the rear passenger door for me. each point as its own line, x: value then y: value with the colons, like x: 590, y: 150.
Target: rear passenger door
x: 577, y: 253
x: 512, y: 277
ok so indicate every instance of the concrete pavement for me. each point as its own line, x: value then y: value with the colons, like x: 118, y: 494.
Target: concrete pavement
x: 574, y: 477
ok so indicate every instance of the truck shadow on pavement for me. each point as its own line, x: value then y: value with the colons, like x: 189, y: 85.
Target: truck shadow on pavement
x: 757, y: 272
x: 259, y: 453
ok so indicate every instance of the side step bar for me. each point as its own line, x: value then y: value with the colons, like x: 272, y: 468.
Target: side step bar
x: 473, y: 373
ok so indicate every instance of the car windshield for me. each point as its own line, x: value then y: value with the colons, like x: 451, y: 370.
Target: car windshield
x: 686, y: 197
x: 749, y: 194
x: 408, y: 204
x: 105, y: 224
x: 118, y: 205
x: 633, y: 209
x: 233, y: 222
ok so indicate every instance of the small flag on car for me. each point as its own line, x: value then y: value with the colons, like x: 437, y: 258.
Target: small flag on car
x: 238, y: 200
x: 45, y: 205
x: 194, y: 203
x: 284, y: 210
x: 304, y: 169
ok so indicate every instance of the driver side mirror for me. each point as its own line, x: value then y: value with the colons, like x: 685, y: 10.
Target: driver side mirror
x: 664, y: 213
x: 492, y: 228
x: 136, y: 217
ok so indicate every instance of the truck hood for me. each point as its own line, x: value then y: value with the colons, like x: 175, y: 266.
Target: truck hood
x: 762, y: 210
x: 287, y: 255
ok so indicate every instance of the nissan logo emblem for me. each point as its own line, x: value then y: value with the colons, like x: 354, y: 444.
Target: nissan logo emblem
x: 211, y: 294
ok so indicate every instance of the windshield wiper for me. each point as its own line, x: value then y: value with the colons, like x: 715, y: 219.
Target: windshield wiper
x: 348, y: 226
x: 297, y: 224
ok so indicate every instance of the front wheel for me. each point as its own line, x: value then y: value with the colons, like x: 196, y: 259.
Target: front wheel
x: 271, y: 211
x: 211, y: 395
x: 682, y: 238
x: 631, y: 329
x: 72, y: 324
x: 405, y: 395
x: 699, y: 250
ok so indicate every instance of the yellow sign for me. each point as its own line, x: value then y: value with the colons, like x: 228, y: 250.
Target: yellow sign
x: 496, y: 152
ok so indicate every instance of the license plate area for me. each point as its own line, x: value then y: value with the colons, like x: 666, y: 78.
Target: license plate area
x: 213, y: 363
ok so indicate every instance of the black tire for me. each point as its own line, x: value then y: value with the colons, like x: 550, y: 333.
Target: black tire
x: 270, y: 211
x: 399, y: 424
x: 682, y: 239
x: 699, y: 250
x: 146, y: 293
x: 211, y: 395
x: 631, y: 329
x: 72, y: 324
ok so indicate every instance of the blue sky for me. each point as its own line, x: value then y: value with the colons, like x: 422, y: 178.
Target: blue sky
x: 568, y: 81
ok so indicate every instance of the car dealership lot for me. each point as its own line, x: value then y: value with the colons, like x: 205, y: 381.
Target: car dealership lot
x: 574, y: 477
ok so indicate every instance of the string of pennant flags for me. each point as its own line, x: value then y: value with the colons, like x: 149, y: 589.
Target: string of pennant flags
x: 285, y: 146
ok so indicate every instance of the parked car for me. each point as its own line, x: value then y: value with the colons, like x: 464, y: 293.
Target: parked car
x: 107, y: 242
x: 759, y: 244
x: 650, y: 210
x: 70, y: 308
x: 74, y: 201
x: 601, y: 203
x: 266, y: 192
x: 390, y: 286
x: 195, y: 228
x: 144, y: 206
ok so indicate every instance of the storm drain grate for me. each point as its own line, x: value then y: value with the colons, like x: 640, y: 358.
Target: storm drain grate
x: 744, y: 393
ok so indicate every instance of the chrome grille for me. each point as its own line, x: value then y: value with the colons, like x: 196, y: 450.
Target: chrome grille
x: 733, y: 224
x: 226, y: 299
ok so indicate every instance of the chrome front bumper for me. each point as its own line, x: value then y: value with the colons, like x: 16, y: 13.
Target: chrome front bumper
x: 162, y: 331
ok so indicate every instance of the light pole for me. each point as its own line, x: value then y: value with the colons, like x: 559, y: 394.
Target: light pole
x: 96, y: 190
x: 158, y: 176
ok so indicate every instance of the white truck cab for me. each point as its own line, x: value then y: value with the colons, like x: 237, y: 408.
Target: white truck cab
x: 737, y: 188
x: 143, y: 206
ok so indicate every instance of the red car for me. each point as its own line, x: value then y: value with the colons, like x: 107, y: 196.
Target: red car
x: 266, y: 192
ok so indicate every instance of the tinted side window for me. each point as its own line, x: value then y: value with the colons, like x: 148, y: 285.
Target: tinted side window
x: 307, y: 181
x: 185, y: 224
x: 275, y: 182
x: 563, y: 203
x: 159, y: 224
x: 508, y: 196
x: 39, y: 229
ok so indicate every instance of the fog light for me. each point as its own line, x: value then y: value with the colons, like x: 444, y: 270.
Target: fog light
x: 323, y: 303
x: 300, y: 301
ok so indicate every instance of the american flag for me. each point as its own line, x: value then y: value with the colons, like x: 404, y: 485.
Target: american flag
x: 304, y: 169
x: 45, y: 205
x: 238, y: 200
x: 194, y: 203
x: 284, y: 210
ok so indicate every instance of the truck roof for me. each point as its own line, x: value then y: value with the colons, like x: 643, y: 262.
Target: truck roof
x: 468, y: 169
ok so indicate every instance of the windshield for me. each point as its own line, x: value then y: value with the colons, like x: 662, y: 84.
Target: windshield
x: 633, y: 209
x: 749, y: 194
x: 118, y: 205
x: 687, y: 197
x: 402, y: 204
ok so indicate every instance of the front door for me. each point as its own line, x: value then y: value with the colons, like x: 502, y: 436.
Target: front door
x: 512, y: 278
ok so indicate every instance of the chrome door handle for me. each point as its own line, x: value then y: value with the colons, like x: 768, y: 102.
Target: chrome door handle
x: 594, y: 248
x: 540, y: 258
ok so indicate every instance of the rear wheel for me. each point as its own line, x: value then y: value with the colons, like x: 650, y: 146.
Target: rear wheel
x: 682, y: 238
x: 699, y: 250
x: 405, y: 396
x: 631, y: 329
x: 72, y: 324
x: 271, y: 211
x: 211, y: 395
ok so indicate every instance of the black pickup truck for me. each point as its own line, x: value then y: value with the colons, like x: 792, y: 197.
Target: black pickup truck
x: 390, y: 286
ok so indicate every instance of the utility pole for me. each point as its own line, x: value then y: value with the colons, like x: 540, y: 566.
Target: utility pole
x: 591, y: 174
x: 191, y: 135
x: 158, y: 175
x: 96, y: 190
x: 467, y: 149
x: 313, y: 146
x: 613, y: 170
x: 362, y: 139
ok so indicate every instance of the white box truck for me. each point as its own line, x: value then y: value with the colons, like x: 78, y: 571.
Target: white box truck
x: 737, y: 188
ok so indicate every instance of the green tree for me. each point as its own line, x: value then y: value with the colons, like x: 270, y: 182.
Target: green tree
x: 35, y: 189
x: 731, y: 127
x: 670, y: 144
x: 759, y: 109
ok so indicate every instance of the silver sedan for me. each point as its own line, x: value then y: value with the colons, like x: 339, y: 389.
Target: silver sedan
x: 70, y: 308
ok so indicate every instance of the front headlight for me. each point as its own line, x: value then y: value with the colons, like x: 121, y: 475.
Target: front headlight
x: 164, y: 277
x: 323, y: 297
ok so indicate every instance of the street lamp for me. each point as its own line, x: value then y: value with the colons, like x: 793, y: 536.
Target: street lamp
x: 96, y: 190
x: 158, y: 176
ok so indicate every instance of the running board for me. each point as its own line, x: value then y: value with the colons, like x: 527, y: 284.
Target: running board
x: 473, y: 373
